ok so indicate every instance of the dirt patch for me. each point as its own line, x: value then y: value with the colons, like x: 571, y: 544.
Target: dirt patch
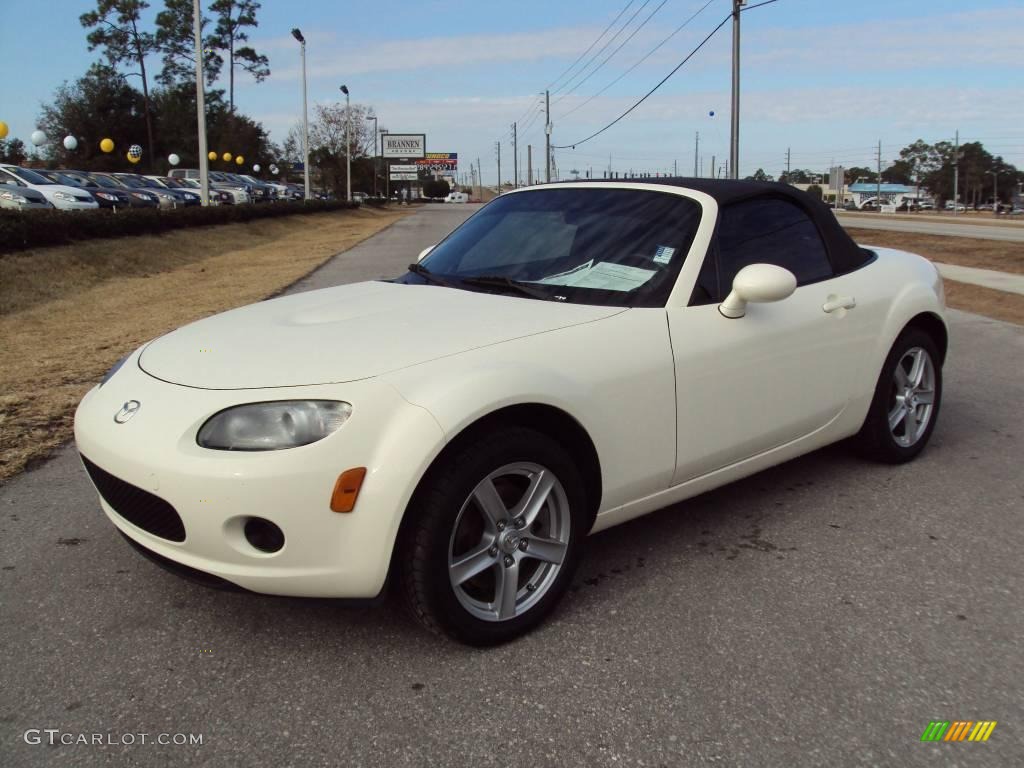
x: 985, y: 301
x: 964, y: 251
x: 69, y: 333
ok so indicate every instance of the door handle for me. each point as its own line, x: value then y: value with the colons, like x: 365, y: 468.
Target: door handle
x: 833, y: 302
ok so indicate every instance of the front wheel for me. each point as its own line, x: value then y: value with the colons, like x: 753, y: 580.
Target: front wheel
x: 495, y: 537
x: 906, y: 401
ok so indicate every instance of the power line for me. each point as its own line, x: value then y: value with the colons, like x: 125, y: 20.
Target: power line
x: 650, y: 53
x: 612, y: 54
x: 604, y: 47
x: 644, y: 98
x: 605, y: 32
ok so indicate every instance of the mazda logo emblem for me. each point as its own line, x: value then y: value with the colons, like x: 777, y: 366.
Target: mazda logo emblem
x: 128, y: 410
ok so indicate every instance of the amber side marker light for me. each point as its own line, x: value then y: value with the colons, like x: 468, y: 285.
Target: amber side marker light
x: 346, y: 490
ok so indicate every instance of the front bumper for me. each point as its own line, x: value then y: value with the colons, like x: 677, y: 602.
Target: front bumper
x: 325, y: 554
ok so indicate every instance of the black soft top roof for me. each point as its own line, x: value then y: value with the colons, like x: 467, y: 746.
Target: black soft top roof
x: 843, y: 252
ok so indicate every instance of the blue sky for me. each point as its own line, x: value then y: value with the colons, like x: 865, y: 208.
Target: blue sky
x: 828, y: 78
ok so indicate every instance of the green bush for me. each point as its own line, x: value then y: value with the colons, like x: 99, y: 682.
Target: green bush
x: 33, y: 229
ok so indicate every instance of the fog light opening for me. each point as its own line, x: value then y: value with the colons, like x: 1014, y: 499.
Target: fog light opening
x: 263, y: 535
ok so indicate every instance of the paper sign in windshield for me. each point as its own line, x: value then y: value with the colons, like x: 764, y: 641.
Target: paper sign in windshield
x: 664, y: 254
x: 603, y: 275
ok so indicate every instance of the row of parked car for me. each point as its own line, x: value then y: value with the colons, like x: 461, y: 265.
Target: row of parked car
x: 71, y: 190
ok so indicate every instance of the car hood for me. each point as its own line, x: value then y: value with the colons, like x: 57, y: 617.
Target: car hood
x: 48, y: 190
x: 347, y: 333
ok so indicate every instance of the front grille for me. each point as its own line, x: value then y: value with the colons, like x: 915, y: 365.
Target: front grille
x: 140, y: 508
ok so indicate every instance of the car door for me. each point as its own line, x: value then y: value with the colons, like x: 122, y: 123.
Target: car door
x: 745, y: 386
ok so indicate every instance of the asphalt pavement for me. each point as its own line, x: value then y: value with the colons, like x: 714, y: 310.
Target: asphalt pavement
x: 820, y: 613
x: 1011, y: 232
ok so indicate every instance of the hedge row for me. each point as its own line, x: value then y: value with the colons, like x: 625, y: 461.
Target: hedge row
x: 32, y: 229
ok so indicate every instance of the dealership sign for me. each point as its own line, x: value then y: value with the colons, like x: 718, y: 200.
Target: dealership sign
x: 404, y: 168
x: 439, y: 161
x: 404, y: 176
x: 402, y: 145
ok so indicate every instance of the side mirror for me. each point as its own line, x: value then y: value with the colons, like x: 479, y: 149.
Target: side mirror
x: 424, y: 252
x: 757, y: 283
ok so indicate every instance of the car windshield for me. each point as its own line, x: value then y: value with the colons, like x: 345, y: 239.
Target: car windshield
x: 30, y: 176
x: 620, y: 247
x: 106, y: 181
x: 131, y: 181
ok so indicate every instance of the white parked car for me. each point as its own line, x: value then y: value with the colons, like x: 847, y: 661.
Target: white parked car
x: 58, y: 195
x: 457, y: 197
x: 18, y: 197
x: 571, y: 357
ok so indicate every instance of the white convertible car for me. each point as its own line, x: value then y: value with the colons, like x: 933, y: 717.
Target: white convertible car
x: 571, y: 357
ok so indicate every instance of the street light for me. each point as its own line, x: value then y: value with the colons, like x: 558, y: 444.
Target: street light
x: 348, y: 146
x: 305, y: 113
x: 375, y: 164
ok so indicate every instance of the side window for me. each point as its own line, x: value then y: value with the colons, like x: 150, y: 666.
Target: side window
x: 769, y: 231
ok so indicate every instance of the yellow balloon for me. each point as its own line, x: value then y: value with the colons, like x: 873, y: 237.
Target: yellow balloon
x: 212, y: 155
x: 227, y: 157
x: 133, y: 160
x: 239, y: 160
x: 3, y: 129
x: 107, y: 145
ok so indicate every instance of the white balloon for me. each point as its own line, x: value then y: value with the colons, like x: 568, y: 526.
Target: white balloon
x: 70, y: 143
x: 173, y: 159
x: 256, y: 168
x: 38, y: 138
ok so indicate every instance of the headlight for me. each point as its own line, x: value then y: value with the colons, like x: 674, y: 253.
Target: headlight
x: 13, y: 197
x: 140, y: 195
x: 105, y: 195
x: 273, y: 426
x: 64, y: 196
x: 113, y: 369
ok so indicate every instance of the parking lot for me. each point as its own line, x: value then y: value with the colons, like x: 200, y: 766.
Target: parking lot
x: 819, y: 613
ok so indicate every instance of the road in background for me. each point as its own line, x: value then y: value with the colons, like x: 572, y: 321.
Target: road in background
x: 932, y: 227
x: 819, y: 613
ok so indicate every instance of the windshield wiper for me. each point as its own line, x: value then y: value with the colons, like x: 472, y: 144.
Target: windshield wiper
x: 430, y: 277
x: 500, y: 281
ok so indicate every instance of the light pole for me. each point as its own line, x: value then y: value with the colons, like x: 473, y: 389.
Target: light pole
x: 305, y: 113
x: 204, y: 168
x: 734, y: 138
x: 375, y: 166
x: 348, y: 146
x: 995, y: 191
x: 387, y: 168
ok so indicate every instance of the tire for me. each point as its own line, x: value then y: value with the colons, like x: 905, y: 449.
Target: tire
x: 464, y: 541
x: 878, y: 439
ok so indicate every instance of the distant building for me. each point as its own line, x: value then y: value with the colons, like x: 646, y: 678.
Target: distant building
x: 896, y: 194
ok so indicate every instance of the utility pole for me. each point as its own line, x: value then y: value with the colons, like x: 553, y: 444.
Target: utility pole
x: 789, y: 157
x: 204, y: 168
x: 712, y: 166
x: 497, y: 146
x: 515, y: 158
x: 480, y: 179
x: 956, y: 172
x: 529, y: 165
x: 878, y: 178
x: 675, y: 168
x: 696, y: 154
x: 734, y: 137
x: 547, y: 136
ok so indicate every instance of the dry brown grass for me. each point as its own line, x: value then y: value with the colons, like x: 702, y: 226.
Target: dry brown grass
x: 79, y: 316
x: 985, y: 301
x: 966, y: 251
